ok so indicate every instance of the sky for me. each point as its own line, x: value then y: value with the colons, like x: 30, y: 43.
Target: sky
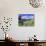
x: 27, y: 16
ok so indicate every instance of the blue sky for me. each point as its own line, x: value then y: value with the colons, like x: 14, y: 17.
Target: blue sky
x: 27, y: 16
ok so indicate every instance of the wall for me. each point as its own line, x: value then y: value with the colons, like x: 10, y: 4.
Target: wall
x: 11, y: 8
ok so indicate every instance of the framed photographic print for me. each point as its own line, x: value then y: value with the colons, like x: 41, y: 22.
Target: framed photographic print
x: 26, y: 19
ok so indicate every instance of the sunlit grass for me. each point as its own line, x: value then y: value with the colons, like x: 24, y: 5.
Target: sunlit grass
x: 27, y: 23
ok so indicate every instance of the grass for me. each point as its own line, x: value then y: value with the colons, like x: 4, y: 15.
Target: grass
x: 27, y: 23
